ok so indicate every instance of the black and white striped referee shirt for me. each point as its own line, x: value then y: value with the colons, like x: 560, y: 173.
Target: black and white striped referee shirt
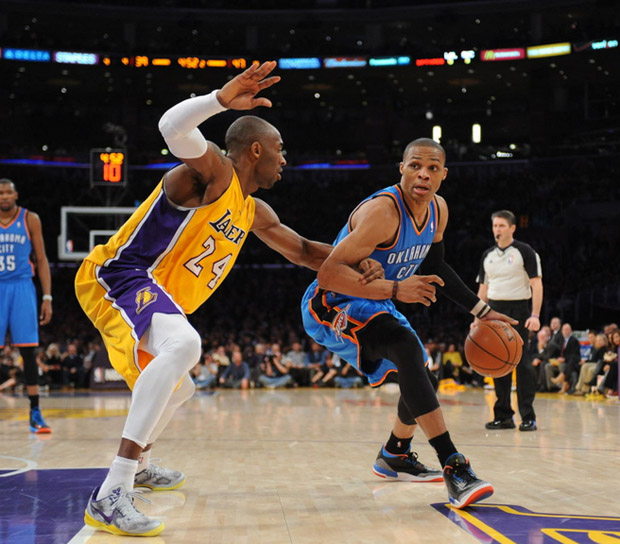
x: 507, y: 272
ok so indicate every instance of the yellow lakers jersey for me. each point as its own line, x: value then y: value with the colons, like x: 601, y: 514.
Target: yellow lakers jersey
x: 188, y: 251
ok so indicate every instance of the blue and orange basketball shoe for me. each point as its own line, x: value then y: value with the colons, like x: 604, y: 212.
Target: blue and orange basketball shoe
x: 404, y: 467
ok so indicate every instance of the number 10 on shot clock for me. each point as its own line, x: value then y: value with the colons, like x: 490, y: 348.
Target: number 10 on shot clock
x: 108, y: 167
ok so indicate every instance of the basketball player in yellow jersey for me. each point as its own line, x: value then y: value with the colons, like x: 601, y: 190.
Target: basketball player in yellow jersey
x: 165, y: 261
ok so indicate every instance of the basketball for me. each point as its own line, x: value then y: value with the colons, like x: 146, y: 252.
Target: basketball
x: 493, y: 348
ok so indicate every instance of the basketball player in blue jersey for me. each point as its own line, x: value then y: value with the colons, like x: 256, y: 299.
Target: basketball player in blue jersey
x: 21, y: 236
x: 165, y: 261
x: 402, y: 227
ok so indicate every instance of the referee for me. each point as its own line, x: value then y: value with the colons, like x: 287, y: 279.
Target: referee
x: 510, y: 279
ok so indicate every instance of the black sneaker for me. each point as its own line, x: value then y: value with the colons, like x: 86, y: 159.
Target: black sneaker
x: 500, y: 424
x: 528, y: 425
x: 464, y: 488
x: 404, y: 467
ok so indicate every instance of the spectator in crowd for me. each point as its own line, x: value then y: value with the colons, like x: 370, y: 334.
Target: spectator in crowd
x: 324, y: 377
x: 275, y: 371
x: 598, y: 373
x: 220, y: 358
x: 316, y: 356
x: 54, y: 364
x: 588, y: 371
x: 435, y: 354
x: 538, y: 348
x: 609, y: 384
x: 237, y: 374
x: 255, y: 358
x: 93, y: 349
x: 296, y: 357
x: 348, y: 376
x: 556, y: 331
x: 73, y: 371
x: 11, y: 373
x: 568, y: 359
x: 451, y: 363
x: 586, y: 349
x: 204, y: 374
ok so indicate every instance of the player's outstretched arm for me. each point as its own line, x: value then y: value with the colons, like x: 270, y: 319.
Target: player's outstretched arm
x: 286, y: 241
x: 179, y: 125
x: 299, y: 250
x: 240, y: 92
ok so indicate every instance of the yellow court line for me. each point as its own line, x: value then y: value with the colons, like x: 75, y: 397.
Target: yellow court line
x: 482, y: 526
x: 510, y: 510
x: 601, y: 537
x: 22, y: 415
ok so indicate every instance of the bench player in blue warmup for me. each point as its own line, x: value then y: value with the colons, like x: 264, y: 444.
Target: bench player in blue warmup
x: 402, y: 227
x: 20, y: 237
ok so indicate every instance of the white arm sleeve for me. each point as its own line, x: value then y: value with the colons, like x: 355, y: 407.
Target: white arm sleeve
x: 179, y: 125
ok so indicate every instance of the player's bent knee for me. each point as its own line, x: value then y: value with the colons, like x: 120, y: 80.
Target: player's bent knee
x: 188, y: 346
x: 187, y: 389
x: 174, y: 335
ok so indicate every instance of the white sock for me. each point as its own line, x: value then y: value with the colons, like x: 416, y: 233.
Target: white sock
x: 143, y: 461
x: 122, y: 471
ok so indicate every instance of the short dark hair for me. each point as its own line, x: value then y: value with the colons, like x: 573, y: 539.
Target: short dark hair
x: 505, y: 214
x: 424, y: 142
x: 245, y: 131
x: 7, y: 181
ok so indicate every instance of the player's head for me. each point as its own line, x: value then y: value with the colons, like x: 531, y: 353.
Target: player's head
x: 8, y: 195
x: 423, y: 169
x: 255, y: 140
x: 425, y: 142
x: 504, y: 225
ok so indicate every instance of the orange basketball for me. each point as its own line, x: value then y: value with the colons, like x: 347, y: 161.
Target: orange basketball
x: 493, y: 348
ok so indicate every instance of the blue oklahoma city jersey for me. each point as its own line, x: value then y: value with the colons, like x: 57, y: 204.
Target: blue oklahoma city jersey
x: 333, y: 320
x: 15, y: 249
x: 403, y: 257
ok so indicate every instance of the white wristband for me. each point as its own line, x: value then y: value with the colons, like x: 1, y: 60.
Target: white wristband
x: 47, y: 297
x: 480, y: 309
x: 179, y: 125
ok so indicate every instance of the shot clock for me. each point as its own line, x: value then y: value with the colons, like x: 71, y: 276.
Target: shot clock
x: 108, y: 167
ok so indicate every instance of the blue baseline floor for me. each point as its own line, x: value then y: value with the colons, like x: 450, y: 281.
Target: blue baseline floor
x: 45, y: 506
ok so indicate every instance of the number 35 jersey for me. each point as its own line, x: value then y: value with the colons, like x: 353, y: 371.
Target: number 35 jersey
x: 15, y: 250
x: 187, y: 251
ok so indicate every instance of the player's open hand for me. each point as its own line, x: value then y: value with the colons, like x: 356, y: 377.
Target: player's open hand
x: 46, y: 312
x: 240, y: 92
x: 419, y: 289
x: 371, y: 270
x: 500, y: 317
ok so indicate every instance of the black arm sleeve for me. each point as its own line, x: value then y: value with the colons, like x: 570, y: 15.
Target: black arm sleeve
x: 454, y: 287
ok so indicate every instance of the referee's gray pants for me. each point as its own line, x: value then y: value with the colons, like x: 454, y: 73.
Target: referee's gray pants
x: 526, y: 378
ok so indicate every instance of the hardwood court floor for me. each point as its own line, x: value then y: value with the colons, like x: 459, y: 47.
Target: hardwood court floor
x: 293, y: 466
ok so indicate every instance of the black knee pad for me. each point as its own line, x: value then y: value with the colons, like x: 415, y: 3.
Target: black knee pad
x: 31, y: 370
x: 433, y: 379
x: 384, y: 337
x: 404, y: 414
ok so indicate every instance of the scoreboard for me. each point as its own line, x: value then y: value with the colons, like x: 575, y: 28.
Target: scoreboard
x: 108, y: 167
